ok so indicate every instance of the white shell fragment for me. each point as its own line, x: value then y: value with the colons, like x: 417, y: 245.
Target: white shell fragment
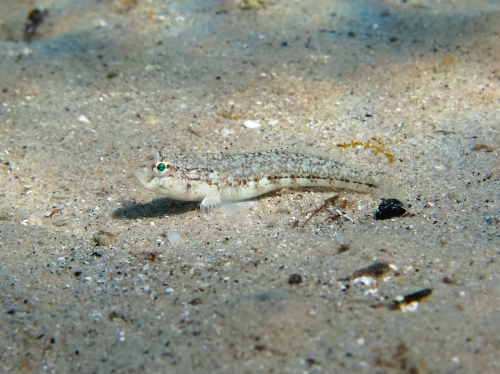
x: 411, y: 307
x: 367, y: 281
x: 249, y: 124
x: 83, y: 119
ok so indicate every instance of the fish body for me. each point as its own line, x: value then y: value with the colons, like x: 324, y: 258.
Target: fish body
x: 226, y: 177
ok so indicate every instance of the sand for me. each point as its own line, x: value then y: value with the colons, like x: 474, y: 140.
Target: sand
x: 99, y: 275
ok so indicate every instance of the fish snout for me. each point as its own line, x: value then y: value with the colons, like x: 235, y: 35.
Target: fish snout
x: 144, y: 175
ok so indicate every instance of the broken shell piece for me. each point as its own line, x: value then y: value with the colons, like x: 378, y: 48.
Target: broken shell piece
x: 364, y: 280
x: 410, y: 302
x: 249, y: 124
x: 83, y: 119
x: 411, y: 307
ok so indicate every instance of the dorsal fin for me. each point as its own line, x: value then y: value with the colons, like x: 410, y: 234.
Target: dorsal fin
x: 246, y: 142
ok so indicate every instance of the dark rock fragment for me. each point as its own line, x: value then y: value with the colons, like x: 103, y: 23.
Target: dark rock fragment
x: 389, y: 208
x: 295, y: 279
x: 375, y: 270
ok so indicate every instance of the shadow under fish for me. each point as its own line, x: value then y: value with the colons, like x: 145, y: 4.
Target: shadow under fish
x: 156, y: 208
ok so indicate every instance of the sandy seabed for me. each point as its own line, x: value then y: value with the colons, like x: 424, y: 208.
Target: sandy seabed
x: 99, y: 275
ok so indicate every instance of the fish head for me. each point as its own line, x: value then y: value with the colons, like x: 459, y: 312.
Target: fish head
x: 153, y: 171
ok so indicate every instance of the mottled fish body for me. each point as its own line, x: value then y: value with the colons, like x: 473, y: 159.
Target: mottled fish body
x: 227, y: 177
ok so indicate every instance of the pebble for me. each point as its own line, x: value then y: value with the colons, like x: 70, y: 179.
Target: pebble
x: 173, y: 237
x: 103, y: 238
x: 389, y: 208
x: 295, y: 279
x: 375, y: 270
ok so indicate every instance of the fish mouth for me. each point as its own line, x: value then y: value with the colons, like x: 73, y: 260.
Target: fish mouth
x: 143, y: 176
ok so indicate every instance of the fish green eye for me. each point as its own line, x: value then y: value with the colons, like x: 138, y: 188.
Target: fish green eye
x: 161, y: 167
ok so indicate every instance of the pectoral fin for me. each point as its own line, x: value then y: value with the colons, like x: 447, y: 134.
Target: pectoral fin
x: 211, y: 202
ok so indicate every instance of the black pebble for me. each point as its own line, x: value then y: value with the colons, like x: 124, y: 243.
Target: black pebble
x: 34, y: 19
x: 389, y: 208
x: 295, y: 279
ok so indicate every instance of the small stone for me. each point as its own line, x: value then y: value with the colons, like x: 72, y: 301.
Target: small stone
x: 448, y: 280
x: 173, y: 237
x: 195, y: 301
x: 103, y: 238
x: 375, y: 270
x: 410, y: 302
x: 295, y: 279
x: 115, y: 315
x: 483, y: 147
x: 389, y: 208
